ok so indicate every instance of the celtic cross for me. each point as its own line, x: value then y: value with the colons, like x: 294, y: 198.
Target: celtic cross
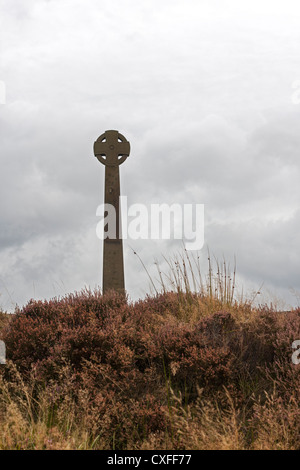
x: 112, y: 149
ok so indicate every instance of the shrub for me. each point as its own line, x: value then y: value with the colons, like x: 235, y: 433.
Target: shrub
x: 112, y: 370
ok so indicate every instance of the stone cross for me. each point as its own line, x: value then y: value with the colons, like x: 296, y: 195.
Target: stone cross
x: 112, y: 149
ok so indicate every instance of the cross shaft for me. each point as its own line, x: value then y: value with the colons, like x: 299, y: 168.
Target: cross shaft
x: 112, y: 149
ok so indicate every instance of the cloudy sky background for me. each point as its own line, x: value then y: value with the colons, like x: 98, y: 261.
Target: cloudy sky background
x: 206, y: 91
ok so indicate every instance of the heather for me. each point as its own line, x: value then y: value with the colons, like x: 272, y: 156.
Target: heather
x: 177, y: 370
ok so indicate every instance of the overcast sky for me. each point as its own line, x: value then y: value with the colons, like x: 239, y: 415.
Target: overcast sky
x: 206, y: 91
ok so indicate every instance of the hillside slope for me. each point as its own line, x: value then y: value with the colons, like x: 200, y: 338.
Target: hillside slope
x: 173, y: 371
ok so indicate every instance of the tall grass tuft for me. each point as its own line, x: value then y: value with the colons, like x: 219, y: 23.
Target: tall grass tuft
x: 190, y: 368
x: 200, y: 293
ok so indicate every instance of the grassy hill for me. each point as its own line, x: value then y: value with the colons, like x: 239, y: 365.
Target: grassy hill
x: 4, y: 319
x: 173, y: 371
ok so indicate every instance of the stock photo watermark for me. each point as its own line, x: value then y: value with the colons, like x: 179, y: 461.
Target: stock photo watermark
x: 2, y: 92
x: 2, y: 353
x: 153, y: 222
x: 296, y: 94
x: 296, y: 354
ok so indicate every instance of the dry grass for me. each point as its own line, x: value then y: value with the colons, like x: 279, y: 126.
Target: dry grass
x: 182, y: 370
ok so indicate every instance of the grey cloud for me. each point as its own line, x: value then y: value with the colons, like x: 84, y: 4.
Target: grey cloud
x: 204, y: 94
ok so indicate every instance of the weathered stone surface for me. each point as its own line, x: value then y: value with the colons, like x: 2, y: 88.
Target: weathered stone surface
x: 112, y: 149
